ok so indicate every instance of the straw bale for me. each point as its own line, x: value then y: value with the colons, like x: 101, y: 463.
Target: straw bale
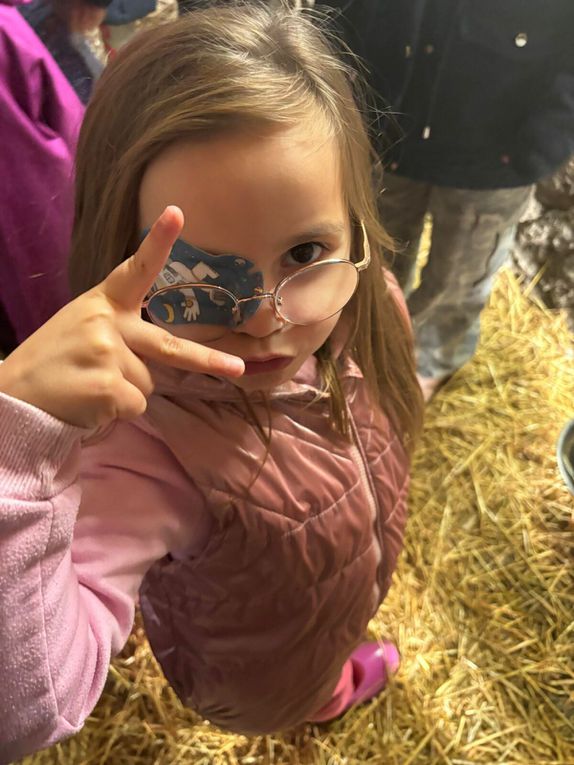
x: 483, y: 601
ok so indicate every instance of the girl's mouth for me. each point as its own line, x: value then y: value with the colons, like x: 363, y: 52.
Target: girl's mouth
x: 255, y: 366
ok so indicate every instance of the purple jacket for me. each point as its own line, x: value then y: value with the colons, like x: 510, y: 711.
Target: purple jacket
x: 39, y: 120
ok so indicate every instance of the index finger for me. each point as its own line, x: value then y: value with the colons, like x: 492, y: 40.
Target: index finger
x: 129, y: 283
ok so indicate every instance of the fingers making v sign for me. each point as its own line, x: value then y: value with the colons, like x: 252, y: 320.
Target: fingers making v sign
x: 86, y: 365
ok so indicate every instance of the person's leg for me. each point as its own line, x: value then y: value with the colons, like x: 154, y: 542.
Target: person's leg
x: 472, y: 235
x: 364, y: 675
x: 341, y: 696
x: 402, y: 207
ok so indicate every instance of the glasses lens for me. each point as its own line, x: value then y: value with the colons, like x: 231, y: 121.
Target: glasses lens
x: 196, y: 313
x: 317, y: 292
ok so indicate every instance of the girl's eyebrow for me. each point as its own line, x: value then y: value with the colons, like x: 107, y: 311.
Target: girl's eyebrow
x: 318, y: 231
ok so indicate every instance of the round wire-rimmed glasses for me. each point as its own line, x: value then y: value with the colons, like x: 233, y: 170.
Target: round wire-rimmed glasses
x: 312, y: 294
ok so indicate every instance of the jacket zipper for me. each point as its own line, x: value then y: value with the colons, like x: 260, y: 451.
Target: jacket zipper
x: 358, y: 455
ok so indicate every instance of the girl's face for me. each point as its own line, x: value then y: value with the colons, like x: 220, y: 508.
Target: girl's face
x: 272, y: 197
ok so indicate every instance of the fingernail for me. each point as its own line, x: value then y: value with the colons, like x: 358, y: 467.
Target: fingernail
x: 169, y: 211
x: 165, y: 215
x: 161, y: 220
x: 233, y: 366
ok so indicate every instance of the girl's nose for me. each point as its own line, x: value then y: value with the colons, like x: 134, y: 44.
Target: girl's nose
x: 263, y: 322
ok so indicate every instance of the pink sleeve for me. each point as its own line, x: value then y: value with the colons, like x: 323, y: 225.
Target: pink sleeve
x: 67, y: 586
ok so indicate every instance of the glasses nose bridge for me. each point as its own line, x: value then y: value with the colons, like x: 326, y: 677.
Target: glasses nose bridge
x: 272, y: 296
x: 262, y: 296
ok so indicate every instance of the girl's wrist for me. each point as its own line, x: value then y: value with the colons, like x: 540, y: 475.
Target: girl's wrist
x: 12, y: 381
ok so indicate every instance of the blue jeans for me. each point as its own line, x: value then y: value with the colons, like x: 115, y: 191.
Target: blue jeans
x: 472, y: 234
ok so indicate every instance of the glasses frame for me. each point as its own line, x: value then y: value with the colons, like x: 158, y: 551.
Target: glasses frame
x: 361, y: 266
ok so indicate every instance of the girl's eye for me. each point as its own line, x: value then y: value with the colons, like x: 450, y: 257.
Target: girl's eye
x: 304, y: 254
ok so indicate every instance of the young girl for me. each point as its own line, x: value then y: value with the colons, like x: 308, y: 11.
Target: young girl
x: 221, y: 422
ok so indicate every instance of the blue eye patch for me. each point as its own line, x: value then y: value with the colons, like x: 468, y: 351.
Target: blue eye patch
x: 188, y: 264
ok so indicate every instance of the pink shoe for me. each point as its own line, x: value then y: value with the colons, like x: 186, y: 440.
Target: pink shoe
x: 372, y: 665
x: 364, y: 674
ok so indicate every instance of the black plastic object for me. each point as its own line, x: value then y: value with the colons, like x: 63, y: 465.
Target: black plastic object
x: 565, y: 454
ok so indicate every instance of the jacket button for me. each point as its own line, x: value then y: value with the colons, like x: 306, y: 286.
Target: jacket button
x: 521, y: 39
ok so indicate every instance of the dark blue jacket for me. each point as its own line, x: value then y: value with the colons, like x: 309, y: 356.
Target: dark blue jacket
x: 125, y: 11
x: 483, y: 89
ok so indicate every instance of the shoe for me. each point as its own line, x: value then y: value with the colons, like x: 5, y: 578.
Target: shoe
x: 373, y: 663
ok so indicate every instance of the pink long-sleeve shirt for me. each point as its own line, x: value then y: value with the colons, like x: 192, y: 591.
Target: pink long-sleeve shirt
x: 67, y: 607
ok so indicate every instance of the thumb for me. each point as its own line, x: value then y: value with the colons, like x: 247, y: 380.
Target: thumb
x: 129, y: 283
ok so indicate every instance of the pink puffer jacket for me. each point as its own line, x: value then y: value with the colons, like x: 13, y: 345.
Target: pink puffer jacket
x: 253, y: 631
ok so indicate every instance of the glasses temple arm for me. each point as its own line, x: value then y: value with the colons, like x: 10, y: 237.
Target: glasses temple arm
x: 366, y: 250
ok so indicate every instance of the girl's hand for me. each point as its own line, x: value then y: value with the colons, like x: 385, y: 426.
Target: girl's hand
x: 85, y: 367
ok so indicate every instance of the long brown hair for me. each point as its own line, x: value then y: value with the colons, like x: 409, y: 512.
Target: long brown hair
x: 216, y: 69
